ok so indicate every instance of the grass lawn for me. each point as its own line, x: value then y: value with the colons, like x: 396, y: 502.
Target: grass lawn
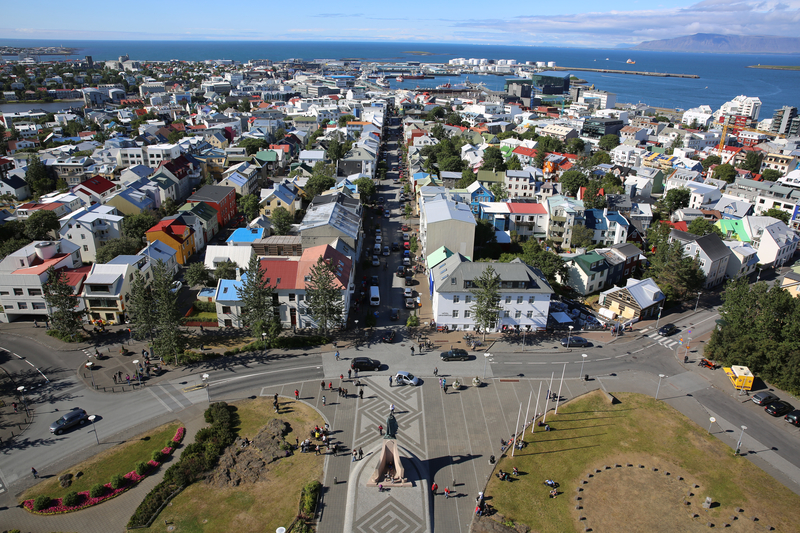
x: 100, y: 468
x: 258, y: 507
x: 590, y: 434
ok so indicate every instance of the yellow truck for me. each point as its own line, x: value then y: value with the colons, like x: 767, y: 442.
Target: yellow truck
x: 740, y: 376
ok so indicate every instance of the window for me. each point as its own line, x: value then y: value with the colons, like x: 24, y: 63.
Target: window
x: 455, y: 314
x: 517, y: 314
x: 85, y: 248
x: 38, y: 305
x: 519, y: 299
x: 34, y: 292
x: 508, y: 299
x: 467, y: 298
x: 506, y: 314
x: 529, y: 314
x: 456, y: 298
x: 467, y: 314
x: 452, y: 281
x: 22, y: 305
x: 17, y: 292
x: 226, y: 309
x: 83, y: 236
x: 531, y: 299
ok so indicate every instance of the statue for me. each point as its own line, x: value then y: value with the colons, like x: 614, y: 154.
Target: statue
x: 389, y: 468
x: 391, y: 427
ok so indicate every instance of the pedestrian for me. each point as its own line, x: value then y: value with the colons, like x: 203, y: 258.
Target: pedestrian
x: 323, y: 401
x: 391, y: 408
x: 341, y: 378
x: 380, y: 429
x: 355, y: 456
x: 412, y: 351
x: 361, y: 393
x: 349, y: 373
x: 35, y: 473
x: 14, y: 405
x: 35, y: 324
x: 96, y: 352
x: 447, y: 492
x: 477, y: 510
x: 316, y: 449
x: 434, y: 487
x: 390, y: 381
x: 356, y: 372
x: 445, y: 388
x: 143, y: 352
x: 444, y: 383
x: 119, y: 376
x: 201, y: 329
x: 360, y: 453
x: 436, y: 371
x: 296, y: 394
x: 46, y: 323
x: 322, y: 385
x: 330, y: 385
x: 128, y: 379
x: 336, y: 355
x: 115, y: 378
x: 335, y: 449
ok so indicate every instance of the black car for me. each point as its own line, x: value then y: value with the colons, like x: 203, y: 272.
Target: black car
x: 401, y: 271
x: 381, y: 200
x: 373, y: 282
x: 667, y: 330
x: 779, y: 408
x: 395, y: 246
x: 574, y: 341
x: 365, y: 363
x: 793, y: 418
x: 388, y: 337
x: 409, y: 281
x: 456, y: 354
x: 76, y: 417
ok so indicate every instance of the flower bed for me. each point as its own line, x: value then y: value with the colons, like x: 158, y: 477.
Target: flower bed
x: 131, y: 479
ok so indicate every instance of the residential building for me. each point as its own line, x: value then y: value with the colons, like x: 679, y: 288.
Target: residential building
x: 597, y: 127
x: 528, y: 219
x: 444, y: 222
x: 586, y: 273
x: 106, y: 291
x: 742, y: 261
x: 207, y: 217
x: 218, y: 254
x: 90, y: 228
x: 791, y: 282
x: 558, y: 131
x: 221, y: 198
x: 639, y: 299
x: 564, y: 214
x: 14, y: 186
x: 609, y: 226
x: 773, y: 240
x: 711, y: 253
x: 95, y: 190
x: 280, y: 195
x: 175, y: 233
x: 524, y: 294
x: 333, y: 217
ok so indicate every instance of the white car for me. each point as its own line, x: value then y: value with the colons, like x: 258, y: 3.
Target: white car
x: 376, y: 261
x: 408, y: 292
x: 378, y: 239
x: 378, y: 231
x: 387, y: 214
x: 411, y: 303
x: 386, y: 250
x: 406, y: 261
x: 406, y: 378
x: 176, y: 286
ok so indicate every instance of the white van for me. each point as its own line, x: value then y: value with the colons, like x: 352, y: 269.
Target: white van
x: 374, y: 296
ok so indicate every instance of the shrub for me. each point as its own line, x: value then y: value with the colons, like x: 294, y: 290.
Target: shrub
x: 157, y: 456
x: 370, y: 321
x: 71, y: 499
x: 142, y: 468
x: 205, y: 307
x: 171, y: 444
x: 97, y: 490
x: 42, y: 502
x: 117, y: 481
x: 309, y: 497
x: 413, y: 321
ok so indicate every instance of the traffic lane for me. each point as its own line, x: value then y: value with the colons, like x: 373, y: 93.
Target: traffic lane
x: 24, y: 354
x: 225, y: 387
x: 771, y: 432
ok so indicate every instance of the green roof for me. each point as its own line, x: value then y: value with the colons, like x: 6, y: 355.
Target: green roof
x: 586, y: 261
x: 200, y: 209
x: 437, y: 256
x: 491, y: 176
x: 735, y: 228
x: 268, y: 156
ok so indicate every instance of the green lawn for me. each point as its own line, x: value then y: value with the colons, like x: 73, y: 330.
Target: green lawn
x: 99, y: 469
x: 590, y: 433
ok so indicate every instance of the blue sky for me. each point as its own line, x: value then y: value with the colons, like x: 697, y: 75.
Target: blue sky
x: 573, y: 23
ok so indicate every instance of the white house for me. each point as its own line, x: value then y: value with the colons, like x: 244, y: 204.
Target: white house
x: 709, y: 250
x: 773, y: 240
x: 90, y: 228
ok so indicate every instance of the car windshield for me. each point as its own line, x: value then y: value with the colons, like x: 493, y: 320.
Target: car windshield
x: 410, y: 377
x: 61, y: 421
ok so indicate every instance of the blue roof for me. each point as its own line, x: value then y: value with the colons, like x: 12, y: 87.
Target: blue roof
x: 226, y: 291
x: 595, y: 219
x: 246, y: 235
x: 137, y: 198
x: 237, y: 179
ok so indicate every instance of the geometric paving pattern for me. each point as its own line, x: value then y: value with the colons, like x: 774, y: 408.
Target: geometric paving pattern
x: 374, y: 409
x: 390, y: 516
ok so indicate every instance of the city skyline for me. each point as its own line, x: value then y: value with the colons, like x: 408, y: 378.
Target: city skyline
x: 579, y: 23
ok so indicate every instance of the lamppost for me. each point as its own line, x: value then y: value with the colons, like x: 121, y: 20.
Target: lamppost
x: 739, y: 444
x: 569, y: 335
x: 21, y: 390
x: 264, y: 339
x: 91, y: 419
x: 660, y: 377
x: 698, y: 300
x: 524, y: 333
x: 759, y: 274
x: 661, y: 308
x: 90, y: 365
x: 136, y: 369
x: 206, y: 384
x: 711, y: 423
x: 486, y: 357
x: 584, y: 356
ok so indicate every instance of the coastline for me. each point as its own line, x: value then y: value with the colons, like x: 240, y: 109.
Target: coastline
x: 775, y: 67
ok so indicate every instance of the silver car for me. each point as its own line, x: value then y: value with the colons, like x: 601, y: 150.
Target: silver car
x: 406, y: 378
x: 76, y: 417
x: 764, y: 398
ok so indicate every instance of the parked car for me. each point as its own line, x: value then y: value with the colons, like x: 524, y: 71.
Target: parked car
x: 779, y: 408
x: 405, y: 227
x: 381, y: 200
x: 406, y: 245
x: 386, y: 250
x: 406, y: 236
x: 376, y: 261
x: 407, y: 261
x: 176, y: 286
x: 764, y: 397
x: 406, y: 378
x: 411, y: 303
x: 456, y: 354
x: 373, y: 281
x: 408, y: 292
x: 378, y: 239
x: 401, y: 271
x: 76, y: 417
x: 395, y: 314
x: 365, y: 363
x: 667, y: 330
x: 793, y: 418
x: 569, y: 342
x: 409, y: 280
x: 388, y: 336
x: 395, y: 246
x: 387, y: 213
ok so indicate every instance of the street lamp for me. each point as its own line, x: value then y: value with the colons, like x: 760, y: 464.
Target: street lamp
x: 89, y: 365
x: 698, y: 300
x: 759, y: 274
x: 91, y: 419
x: 569, y: 335
x: 711, y: 423
x: 739, y: 444
x: 659, y: 315
x: 584, y: 356
x: 486, y: 357
x: 264, y: 339
x: 21, y: 390
x: 660, y: 377
x: 136, y: 369
x: 207, y: 385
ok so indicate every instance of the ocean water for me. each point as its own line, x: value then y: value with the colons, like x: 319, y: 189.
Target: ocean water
x: 722, y: 76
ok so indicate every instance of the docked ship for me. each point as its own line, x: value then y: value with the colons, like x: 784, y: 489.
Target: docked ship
x: 415, y: 76
x: 631, y: 62
x: 400, y: 78
x: 382, y: 82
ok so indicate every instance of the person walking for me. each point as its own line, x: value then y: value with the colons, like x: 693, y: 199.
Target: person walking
x: 349, y: 374
x: 330, y: 385
x: 434, y: 487
x: 336, y: 355
x: 391, y: 408
x: 380, y: 430
x: 114, y: 377
x: 412, y: 351
x: 360, y: 453
x: 436, y: 371
x: 445, y: 388
x: 316, y: 449
x: 355, y: 456
x: 14, y: 405
x: 35, y: 473
x: 447, y: 492
x: 296, y: 394
x: 128, y: 379
x: 322, y: 385
x: 390, y: 381
x: 323, y: 401
x: 361, y: 393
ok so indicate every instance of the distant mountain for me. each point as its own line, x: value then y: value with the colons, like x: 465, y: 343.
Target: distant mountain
x: 725, y: 44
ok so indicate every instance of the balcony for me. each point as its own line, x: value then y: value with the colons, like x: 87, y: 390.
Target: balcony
x: 558, y: 219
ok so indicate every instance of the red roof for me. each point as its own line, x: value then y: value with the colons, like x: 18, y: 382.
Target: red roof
x: 281, y: 273
x: 140, y: 112
x: 526, y: 208
x: 682, y: 226
x: 521, y: 150
x: 98, y: 184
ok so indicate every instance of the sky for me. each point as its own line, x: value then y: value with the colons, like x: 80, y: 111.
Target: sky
x: 514, y: 22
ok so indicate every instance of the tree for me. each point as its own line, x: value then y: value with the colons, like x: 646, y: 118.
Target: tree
x: 601, y: 158
x: 453, y: 119
x: 551, y: 264
x: 612, y: 184
x: 40, y: 224
x: 499, y: 191
x: 571, y: 181
x: 169, y: 339
x: 279, y: 134
x: 62, y: 303
x: 709, y: 161
x: 336, y: 150
x: 437, y: 131
x: 249, y: 204
x: 225, y: 270
x: 592, y: 199
x: 770, y: 174
x: 281, y: 221
x: 608, y: 142
x: 513, y: 163
x: 752, y: 162
x: 119, y: 246
x: 366, y: 188
x: 676, y: 199
x: 135, y: 226
x: 486, y: 294
x: 256, y: 294
x: 253, y: 146
x: 702, y: 227
x: 486, y: 241
x: 451, y: 163
x: 198, y: 274
x: 549, y: 144
x: 576, y: 145
x: 467, y: 178
x: 581, y: 236
x: 538, y: 159
x: 322, y: 179
x: 168, y: 208
x: 725, y: 172
x: 677, y: 275
x: 140, y: 307
x: 493, y: 160
x: 781, y: 215
x: 323, y: 296
x: 344, y: 119
x: 37, y: 178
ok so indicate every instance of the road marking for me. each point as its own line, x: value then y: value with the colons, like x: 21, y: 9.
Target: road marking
x: 162, y: 402
x: 509, y: 363
x: 537, y: 363
x: 603, y: 359
x: 221, y: 381
x: 623, y: 355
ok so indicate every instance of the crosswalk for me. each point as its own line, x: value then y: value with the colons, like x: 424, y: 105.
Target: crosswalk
x: 667, y: 342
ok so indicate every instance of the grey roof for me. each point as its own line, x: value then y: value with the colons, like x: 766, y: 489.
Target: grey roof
x: 645, y: 292
x: 627, y: 249
x: 212, y: 193
x: 462, y: 269
x: 713, y: 246
x: 332, y: 214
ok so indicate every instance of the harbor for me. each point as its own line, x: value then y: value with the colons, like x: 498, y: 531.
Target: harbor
x: 634, y: 72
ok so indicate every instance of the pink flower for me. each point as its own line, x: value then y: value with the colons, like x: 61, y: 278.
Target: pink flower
x: 167, y: 450
x: 179, y: 434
